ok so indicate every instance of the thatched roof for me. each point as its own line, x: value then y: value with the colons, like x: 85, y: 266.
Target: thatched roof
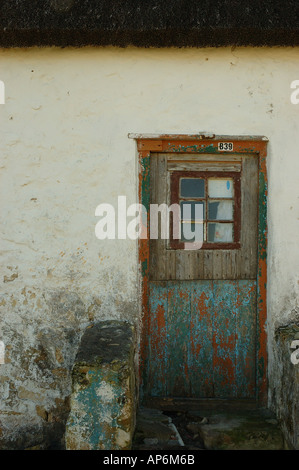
x: 145, y: 23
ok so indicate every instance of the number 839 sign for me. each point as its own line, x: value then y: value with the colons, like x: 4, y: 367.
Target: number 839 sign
x: 225, y: 146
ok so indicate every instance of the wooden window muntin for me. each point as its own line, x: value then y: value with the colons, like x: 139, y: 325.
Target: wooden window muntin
x: 176, y: 198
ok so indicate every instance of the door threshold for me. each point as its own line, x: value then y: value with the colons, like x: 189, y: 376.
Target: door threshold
x: 186, y: 404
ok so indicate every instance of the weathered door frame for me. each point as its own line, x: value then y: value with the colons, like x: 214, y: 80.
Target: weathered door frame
x: 256, y: 145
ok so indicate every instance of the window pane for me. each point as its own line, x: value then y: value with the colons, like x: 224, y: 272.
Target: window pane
x: 220, y: 233
x: 220, y: 210
x: 192, y: 210
x: 221, y: 187
x: 192, y: 232
x: 192, y: 187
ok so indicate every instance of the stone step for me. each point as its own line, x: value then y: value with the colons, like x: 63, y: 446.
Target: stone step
x: 193, y: 430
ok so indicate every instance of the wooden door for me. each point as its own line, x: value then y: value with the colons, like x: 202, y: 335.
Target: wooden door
x: 202, y: 313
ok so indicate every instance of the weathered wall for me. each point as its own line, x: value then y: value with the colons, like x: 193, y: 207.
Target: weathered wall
x: 64, y: 150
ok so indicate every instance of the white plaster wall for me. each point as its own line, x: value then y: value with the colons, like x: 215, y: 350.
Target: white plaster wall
x: 64, y: 150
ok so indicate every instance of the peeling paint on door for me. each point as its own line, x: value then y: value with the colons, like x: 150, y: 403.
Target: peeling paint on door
x: 204, y: 338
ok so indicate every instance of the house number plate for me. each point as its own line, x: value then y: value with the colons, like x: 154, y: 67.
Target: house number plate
x: 226, y: 146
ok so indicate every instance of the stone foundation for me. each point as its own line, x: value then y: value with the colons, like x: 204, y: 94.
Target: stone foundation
x: 287, y: 390
x: 102, y: 405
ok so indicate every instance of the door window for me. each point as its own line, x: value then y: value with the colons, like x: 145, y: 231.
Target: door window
x: 210, y: 209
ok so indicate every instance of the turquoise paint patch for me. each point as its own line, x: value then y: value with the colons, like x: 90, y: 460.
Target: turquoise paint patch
x: 262, y: 241
x: 193, y: 148
x: 99, y: 406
